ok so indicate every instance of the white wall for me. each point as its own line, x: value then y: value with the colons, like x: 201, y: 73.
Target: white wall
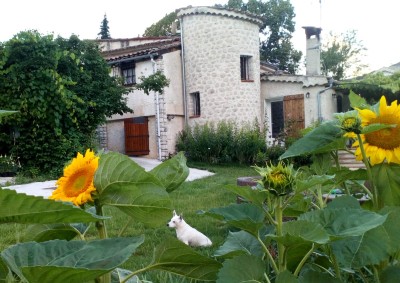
x: 277, y: 88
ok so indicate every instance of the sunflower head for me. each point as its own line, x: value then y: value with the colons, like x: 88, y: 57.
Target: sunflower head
x: 76, y: 184
x: 350, y: 124
x: 278, y: 180
x: 382, y: 145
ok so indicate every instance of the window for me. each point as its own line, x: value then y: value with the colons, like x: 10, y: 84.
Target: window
x: 124, y: 43
x: 245, y: 70
x: 128, y: 73
x: 195, y: 104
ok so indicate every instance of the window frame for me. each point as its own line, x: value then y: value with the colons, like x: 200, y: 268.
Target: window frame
x: 128, y: 73
x: 245, y: 68
x: 195, y: 103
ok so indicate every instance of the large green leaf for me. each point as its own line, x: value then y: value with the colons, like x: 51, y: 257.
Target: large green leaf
x: 115, y: 167
x: 310, y: 275
x: 255, y: 196
x: 68, y: 261
x: 239, y: 243
x: 345, y: 174
x: 387, y: 179
x: 344, y: 202
x: 324, y: 138
x: 124, y: 184
x: 286, y: 277
x: 345, y: 222
x: 244, y: 268
x: 313, y: 180
x: 176, y: 257
x: 245, y: 216
x: 373, y: 246
x: 301, y: 232
x: 47, y: 232
x: 356, y: 101
x: 172, y: 172
x: 376, y: 127
x: 22, y: 208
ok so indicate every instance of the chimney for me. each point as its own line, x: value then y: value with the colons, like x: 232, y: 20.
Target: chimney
x: 313, y: 53
x: 174, y: 27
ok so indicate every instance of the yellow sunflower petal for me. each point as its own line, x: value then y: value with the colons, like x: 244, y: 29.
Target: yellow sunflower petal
x: 389, y: 155
x: 383, y: 108
x: 366, y: 115
x: 382, y: 145
x: 76, y: 185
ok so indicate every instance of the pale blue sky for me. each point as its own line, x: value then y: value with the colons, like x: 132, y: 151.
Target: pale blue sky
x: 375, y: 21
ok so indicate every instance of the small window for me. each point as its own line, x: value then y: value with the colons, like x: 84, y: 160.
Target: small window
x: 128, y: 73
x: 195, y: 104
x: 245, y: 70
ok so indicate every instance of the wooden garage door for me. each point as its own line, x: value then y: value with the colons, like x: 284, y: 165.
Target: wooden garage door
x: 293, y: 109
x: 136, y: 136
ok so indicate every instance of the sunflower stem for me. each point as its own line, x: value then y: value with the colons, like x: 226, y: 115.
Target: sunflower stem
x: 100, y: 225
x: 101, y: 229
x: 375, y: 198
x: 279, y: 233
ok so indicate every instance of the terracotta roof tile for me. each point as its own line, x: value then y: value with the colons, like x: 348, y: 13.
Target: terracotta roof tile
x: 163, y: 44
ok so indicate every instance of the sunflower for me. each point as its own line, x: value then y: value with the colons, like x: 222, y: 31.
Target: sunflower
x: 383, y: 144
x: 278, y: 180
x: 76, y: 185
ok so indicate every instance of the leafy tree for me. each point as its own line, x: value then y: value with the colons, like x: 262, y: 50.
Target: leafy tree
x: 62, y: 90
x: 162, y: 27
x: 391, y: 82
x: 104, y: 29
x: 342, y: 55
x: 154, y: 82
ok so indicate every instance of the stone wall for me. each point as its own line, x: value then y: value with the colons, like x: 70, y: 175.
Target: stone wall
x: 213, y: 43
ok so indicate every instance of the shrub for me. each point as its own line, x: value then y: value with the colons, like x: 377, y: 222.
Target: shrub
x: 222, y: 143
x: 9, y: 166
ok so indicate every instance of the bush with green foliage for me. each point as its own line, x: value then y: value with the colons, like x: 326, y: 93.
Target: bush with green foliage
x: 222, y: 143
x: 63, y: 92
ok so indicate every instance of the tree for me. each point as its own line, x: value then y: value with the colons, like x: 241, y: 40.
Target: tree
x: 63, y: 92
x: 162, y: 27
x: 342, y: 55
x: 104, y: 29
x: 155, y: 82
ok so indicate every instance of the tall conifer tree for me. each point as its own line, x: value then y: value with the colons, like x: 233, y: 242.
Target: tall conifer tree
x: 104, y: 29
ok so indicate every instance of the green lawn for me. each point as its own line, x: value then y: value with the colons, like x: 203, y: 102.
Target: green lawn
x: 189, y: 199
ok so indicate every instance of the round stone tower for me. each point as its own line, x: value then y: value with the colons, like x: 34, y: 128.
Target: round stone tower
x: 221, y: 64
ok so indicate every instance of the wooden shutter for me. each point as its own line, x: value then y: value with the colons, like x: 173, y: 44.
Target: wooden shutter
x: 293, y: 109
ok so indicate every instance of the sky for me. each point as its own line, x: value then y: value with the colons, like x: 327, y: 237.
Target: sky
x: 375, y: 22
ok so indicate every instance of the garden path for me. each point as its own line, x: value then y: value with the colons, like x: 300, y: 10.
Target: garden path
x: 46, y: 188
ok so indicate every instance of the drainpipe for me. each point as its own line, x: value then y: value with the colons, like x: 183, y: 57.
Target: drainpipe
x: 185, y: 112
x: 330, y: 80
x: 157, y: 110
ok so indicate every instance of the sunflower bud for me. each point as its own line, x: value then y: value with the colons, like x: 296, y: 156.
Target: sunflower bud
x: 350, y: 124
x: 278, y: 180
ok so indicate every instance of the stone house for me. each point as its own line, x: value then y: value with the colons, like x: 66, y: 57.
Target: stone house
x: 215, y: 74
